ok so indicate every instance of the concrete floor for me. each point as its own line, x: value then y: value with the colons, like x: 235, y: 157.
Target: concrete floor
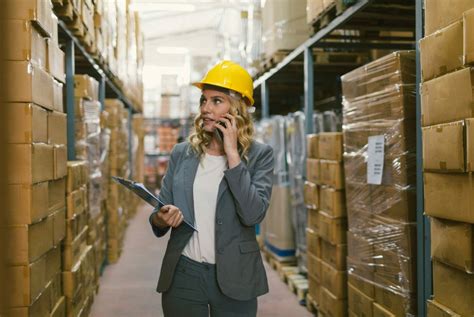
x: 128, y: 287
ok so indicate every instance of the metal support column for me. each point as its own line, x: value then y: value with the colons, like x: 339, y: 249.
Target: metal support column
x: 69, y: 99
x: 102, y: 84
x: 424, y: 269
x: 265, y: 100
x: 130, y: 139
x: 308, y: 89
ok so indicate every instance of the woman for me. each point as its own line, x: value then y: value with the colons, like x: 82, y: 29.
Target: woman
x: 220, y: 184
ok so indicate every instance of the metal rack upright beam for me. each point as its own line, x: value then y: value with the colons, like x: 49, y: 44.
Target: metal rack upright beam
x: 424, y: 269
x: 308, y: 89
x: 70, y: 103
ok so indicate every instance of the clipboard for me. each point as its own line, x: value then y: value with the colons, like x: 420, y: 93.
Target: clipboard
x: 141, y: 191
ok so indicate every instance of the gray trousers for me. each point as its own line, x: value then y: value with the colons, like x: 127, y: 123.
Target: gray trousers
x: 194, y: 293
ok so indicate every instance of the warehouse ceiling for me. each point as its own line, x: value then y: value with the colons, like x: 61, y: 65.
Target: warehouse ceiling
x: 174, y: 29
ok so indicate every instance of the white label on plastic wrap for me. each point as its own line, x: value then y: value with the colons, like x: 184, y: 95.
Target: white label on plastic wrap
x: 375, y: 159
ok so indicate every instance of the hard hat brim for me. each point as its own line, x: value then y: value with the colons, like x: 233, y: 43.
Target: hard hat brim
x: 249, y: 100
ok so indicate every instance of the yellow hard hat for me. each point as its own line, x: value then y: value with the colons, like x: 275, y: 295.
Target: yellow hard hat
x: 232, y: 76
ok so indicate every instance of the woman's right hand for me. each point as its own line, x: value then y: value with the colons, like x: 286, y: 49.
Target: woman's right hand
x: 168, y: 216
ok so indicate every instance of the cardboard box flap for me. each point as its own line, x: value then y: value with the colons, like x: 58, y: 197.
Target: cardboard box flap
x: 441, y: 13
x: 468, y: 42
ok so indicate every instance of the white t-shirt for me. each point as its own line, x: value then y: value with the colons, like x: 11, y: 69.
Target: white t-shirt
x: 201, y: 246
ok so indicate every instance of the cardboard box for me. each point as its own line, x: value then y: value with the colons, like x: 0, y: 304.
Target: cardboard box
x: 26, y: 123
x: 313, y: 219
x: 362, y: 285
x: 312, y: 146
x: 445, y: 50
x: 58, y: 98
x: 60, y: 161
x: 449, y: 196
x: 314, y: 8
x: 314, y: 289
x: 453, y: 243
x: 449, y: 147
x: 76, y: 277
x: 359, y: 303
x: 28, y: 281
x: 453, y: 288
x: 330, y: 146
x: 24, y: 43
x: 57, y: 128
x: 360, y: 247
x: 333, y: 202
x: 74, y: 227
x: 334, y: 280
x: 28, y: 203
x: 75, y: 202
x: 334, y: 254
x: 438, y: 92
x: 435, y: 309
x: 41, y: 306
x: 313, y: 170
x: 29, y: 163
x: 332, y: 229
x: 313, y: 242
x: 393, y: 202
x: 27, y: 243
x: 311, y: 195
x: 86, y: 87
x: 37, y: 11
x: 314, y: 266
x: 59, y: 226
x: 56, y: 61
x: 395, y: 303
x: 331, y: 305
x: 441, y: 13
x: 57, y: 194
x: 28, y: 83
x: 468, y: 19
x: 72, y: 251
x: 332, y: 174
x: 76, y: 171
x: 380, y: 311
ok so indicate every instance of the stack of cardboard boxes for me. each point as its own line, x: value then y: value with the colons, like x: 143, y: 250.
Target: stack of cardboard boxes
x: 79, y: 276
x: 112, y: 34
x: 448, y: 148
x: 284, y: 26
x: 36, y: 157
x: 117, y: 202
x: 379, y: 160
x: 313, y: 239
x: 328, y: 171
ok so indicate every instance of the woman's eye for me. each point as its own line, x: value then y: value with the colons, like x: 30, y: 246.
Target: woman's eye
x: 217, y: 101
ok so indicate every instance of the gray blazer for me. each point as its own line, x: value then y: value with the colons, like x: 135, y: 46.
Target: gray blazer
x: 242, y: 201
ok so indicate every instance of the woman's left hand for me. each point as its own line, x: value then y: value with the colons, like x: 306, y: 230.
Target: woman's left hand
x: 230, y: 139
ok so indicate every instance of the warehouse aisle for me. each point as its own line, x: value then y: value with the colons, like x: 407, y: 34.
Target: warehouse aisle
x: 128, y: 287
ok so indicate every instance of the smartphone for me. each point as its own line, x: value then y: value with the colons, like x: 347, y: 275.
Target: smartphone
x: 219, y: 133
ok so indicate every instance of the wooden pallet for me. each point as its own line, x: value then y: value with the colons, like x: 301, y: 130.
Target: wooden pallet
x: 328, y: 14
x: 273, y: 60
x: 311, y: 305
x: 339, y: 58
x: 287, y: 271
x: 298, y: 284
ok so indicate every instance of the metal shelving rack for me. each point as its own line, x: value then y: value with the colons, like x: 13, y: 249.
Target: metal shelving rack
x: 77, y: 59
x: 364, y: 14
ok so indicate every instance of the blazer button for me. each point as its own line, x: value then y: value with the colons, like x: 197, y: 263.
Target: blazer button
x: 220, y: 250
x: 219, y: 222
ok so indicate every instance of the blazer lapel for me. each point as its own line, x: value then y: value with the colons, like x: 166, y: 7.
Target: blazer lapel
x: 190, y: 168
x: 222, y: 188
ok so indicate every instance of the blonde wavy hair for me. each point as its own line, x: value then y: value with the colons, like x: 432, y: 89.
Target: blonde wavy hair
x: 199, y: 139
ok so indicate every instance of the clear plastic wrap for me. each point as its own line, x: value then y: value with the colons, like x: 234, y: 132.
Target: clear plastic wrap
x: 379, y: 100
x: 295, y: 154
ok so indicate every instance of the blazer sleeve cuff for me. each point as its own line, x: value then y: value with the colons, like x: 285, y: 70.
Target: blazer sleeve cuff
x: 159, y: 232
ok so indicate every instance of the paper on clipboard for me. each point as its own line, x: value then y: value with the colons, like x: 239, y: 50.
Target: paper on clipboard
x: 141, y: 191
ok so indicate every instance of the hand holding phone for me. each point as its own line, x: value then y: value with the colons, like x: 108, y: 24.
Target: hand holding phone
x: 219, y: 133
